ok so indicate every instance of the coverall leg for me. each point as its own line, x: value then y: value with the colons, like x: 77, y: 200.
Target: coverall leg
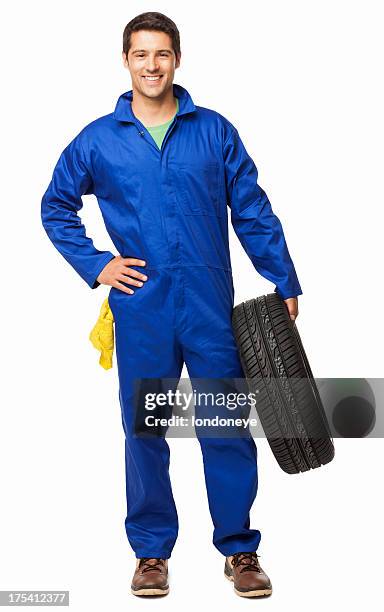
x: 155, y: 335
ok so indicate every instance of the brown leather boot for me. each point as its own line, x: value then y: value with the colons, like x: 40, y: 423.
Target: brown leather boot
x: 249, y: 579
x: 150, y: 577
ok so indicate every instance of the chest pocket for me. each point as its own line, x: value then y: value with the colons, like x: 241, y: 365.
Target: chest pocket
x: 199, y: 187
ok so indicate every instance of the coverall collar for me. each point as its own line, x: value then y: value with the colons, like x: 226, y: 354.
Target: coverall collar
x: 123, y: 109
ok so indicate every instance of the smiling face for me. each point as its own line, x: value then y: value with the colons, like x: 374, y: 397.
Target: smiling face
x: 151, y: 62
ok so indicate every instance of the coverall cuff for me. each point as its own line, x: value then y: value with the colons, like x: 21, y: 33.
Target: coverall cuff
x: 284, y: 294
x: 92, y: 282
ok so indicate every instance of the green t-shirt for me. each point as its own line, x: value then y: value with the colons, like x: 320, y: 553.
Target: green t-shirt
x: 158, y: 131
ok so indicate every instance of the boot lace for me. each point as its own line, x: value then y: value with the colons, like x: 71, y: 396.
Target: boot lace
x: 147, y: 566
x: 247, y: 561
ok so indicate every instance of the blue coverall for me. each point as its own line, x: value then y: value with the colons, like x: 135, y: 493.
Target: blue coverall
x: 169, y: 207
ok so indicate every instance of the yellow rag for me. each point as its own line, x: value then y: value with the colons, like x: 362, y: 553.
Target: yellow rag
x: 102, y: 335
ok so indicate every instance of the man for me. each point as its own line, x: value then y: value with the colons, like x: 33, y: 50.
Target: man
x: 165, y: 172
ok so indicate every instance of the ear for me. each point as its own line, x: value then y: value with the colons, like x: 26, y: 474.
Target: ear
x: 178, y: 60
x: 125, y: 60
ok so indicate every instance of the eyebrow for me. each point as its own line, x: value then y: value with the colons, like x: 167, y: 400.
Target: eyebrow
x: 145, y: 51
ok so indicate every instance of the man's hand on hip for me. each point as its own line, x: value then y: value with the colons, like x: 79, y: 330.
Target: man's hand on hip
x: 117, y: 271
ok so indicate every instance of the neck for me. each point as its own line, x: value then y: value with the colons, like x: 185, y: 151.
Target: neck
x: 154, y: 111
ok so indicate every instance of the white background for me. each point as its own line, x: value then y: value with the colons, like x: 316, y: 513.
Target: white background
x: 302, y: 82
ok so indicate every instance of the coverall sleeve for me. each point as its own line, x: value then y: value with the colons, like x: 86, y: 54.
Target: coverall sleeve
x: 59, y: 207
x: 259, y: 230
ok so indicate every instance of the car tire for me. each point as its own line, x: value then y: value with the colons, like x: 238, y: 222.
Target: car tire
x: 276, y: 367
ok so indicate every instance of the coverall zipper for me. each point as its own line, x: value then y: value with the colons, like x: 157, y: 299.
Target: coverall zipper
x: 143, y: 132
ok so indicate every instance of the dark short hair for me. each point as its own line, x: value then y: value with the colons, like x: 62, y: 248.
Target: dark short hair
x: 152, y: 21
